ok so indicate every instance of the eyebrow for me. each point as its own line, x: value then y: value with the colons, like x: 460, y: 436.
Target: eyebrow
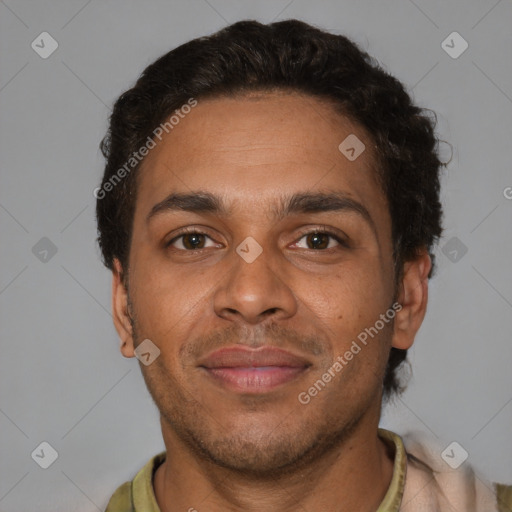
x: 317, y: 202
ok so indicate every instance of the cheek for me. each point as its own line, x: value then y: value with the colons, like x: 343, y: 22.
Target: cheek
x: 354, y: 294
x: 347, y: 305
x: 167, y: 302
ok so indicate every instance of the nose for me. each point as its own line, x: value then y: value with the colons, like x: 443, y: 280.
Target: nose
x: 254, y: 292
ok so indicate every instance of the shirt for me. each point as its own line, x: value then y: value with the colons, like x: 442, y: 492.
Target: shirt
x: 422, y: 482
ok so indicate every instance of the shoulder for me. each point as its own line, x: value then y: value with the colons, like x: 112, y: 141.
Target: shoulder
x: 504, y: 497
x: 137, y: 495
x: 121, y: 500
x: 448, y: 482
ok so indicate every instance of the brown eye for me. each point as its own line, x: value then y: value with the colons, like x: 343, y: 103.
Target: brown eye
x: 189, y: 241
x: 319, y: 240
x: 193, y: 241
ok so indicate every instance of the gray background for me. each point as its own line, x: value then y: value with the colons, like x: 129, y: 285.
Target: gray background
x: 63, y: 379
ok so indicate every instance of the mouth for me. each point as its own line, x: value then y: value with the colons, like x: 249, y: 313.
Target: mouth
x: 253, y: 371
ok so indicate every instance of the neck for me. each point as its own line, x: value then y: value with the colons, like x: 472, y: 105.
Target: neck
x: 352, y: 476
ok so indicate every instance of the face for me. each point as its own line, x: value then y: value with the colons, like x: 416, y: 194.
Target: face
x: 278, y: 257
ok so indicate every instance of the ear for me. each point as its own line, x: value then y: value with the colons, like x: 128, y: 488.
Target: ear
x: 413, y: 296
x: 120, y: 310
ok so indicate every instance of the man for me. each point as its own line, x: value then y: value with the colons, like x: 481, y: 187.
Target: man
x: 268, y: 210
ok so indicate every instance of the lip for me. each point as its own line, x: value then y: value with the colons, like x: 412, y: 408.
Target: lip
x: 247, y: 370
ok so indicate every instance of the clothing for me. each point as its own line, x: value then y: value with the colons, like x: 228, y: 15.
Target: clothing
x: 421, y: 482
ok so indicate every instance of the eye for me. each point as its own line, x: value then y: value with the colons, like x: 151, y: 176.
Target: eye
x: 190, y: 240
x: 321, y: 240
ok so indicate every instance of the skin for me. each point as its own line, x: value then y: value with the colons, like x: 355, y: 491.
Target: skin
x: 228, y: 451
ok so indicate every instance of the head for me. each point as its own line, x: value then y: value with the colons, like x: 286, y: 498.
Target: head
x: 241, y: 134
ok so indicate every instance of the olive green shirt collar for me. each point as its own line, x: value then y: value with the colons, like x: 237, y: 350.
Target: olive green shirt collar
x: 139, y: 496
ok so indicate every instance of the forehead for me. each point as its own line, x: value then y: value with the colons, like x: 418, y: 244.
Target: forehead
x: 250, y: 148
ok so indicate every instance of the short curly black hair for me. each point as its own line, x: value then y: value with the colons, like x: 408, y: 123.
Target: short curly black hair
x: 287, y: 55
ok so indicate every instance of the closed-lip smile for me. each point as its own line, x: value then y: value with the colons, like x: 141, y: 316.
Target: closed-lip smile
x: 248, y: 370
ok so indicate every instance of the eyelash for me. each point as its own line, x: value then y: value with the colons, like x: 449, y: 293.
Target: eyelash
x: 317, y: 231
